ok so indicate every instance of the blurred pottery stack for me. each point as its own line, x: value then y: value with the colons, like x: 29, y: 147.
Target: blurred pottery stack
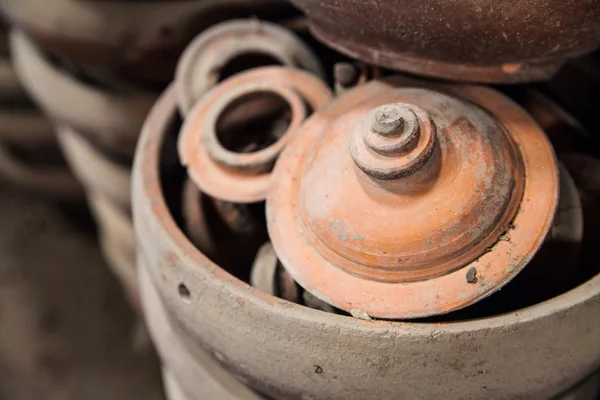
x: 95, y: 68
x: 29, y: 154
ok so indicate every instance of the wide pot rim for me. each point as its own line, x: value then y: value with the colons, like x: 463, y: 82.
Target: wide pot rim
x: 151, y: 210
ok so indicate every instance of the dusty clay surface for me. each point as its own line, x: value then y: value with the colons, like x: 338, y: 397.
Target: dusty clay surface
x: 66, y: 331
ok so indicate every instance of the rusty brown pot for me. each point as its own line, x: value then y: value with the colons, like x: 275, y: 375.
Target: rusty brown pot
x: 484, y: 40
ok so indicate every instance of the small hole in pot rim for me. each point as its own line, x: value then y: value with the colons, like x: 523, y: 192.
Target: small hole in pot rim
x: 184, y: 292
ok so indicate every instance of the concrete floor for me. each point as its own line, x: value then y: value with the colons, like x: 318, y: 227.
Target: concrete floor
x: 66, y: 331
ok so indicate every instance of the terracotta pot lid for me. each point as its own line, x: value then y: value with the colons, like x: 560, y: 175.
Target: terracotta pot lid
x: 206, y: 56
x: 408, y: 202
x: 240, y: 175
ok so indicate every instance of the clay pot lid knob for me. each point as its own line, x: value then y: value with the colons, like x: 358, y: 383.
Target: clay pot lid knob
x: 391, y: 143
